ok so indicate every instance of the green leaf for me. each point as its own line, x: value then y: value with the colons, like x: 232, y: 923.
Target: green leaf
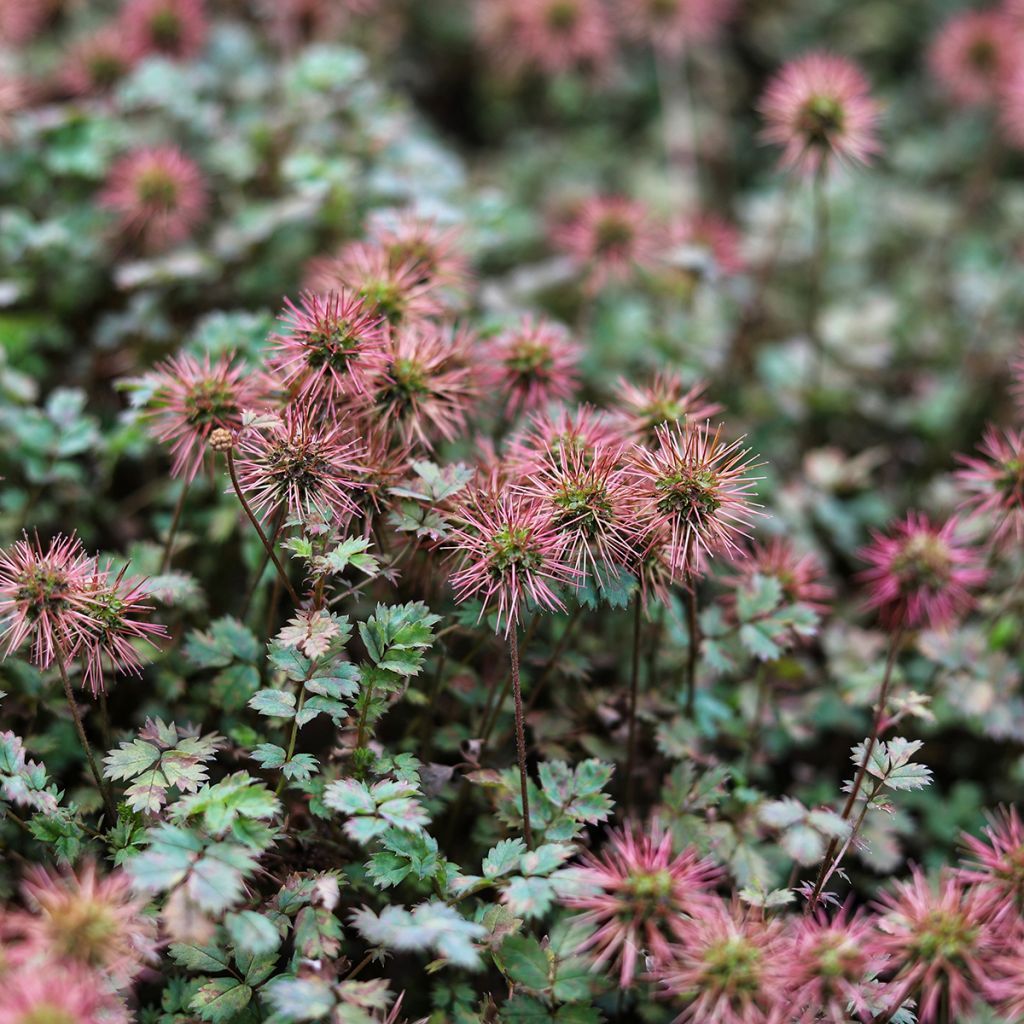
x: 273, y: 703
x: 526, y: 962
x: 298, y: 999
x: 503, y: 858
x: 205, y: 959
x: 131, y: 759
x: 252, y: 932
x: 220, y: 999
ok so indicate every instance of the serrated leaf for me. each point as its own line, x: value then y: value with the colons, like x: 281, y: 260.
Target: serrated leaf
x: 273, y: 703
x: 220, y: 999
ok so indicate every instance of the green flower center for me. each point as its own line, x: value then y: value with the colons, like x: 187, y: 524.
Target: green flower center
x: 512, y: 548
x: 47, y: 1013
x: 386, y: 297
x: 613, y: 234
x: 530, y: 359
x: 105, y: 69
x: 943, y: 935
x: 820, y: 119
x: 983, y: 56
x: 733, y: 964
x: 156, y: 187
x: 209, y: 402
x: 332, y: 345
x: 584, y: 505
x: 690, y: 494
x: 563, y: 15
x: 43, y: 589
x: 165, y: 27
x: 923, y: 562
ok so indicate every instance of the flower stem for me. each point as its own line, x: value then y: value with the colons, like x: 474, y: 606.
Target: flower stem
x: 819, y: 260
x: 108, y: 801
x: 634, y: 686
x: 259, y: 530
x: 858, y: 782
x: 694, y: 652
x: 517, y: 696
x: 172, y: 531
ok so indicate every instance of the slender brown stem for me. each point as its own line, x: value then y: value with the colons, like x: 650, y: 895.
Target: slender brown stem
x: 173, y: 530
x: 858, y: 782
x: 517, y: 695
x: 259, y: 530
x: 108, y: 801
x: 694, y: 652
x: 493, y: 708
x: 819, y: 258
x: 634, y: 686
x: 263, y: 565
x: 108, y: 734
x: 293, y: 738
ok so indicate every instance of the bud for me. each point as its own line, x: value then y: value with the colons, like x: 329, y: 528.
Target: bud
x: 221, y: 440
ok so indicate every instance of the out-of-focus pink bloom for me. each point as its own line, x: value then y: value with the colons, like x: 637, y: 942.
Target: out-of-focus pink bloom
x: 828, y: 967
x: 551, y: 36
x: 589, y: 498
x: 302, y: 465
x: 396, y: 292
x: 294, y: 21
x: 819, y: 109
x: 697, y: 491
x: 12, y: 99
x: 435, y: 252
x: 635, y: 890
x: 799, y: 574
x: 429, y: 385
x: 96, y: 922
x: 158, y: 195
x: 705, y: 234
x: 386, y: 464
x: 582, y: 431
x: 531, y: 365
x: 654, y: 569
x: 972, y: 56
x: 673, y: 25
x: 117, y: 607
x: 994, y: 483
x: 508, y: 551
x: 53, y: 992
x: 921, y: 575
x: 1011, y: 106
x: 665, y: 401
x: 192, y: 398
x: 44, y: 598
x: 994, y: 863
x: 98, y: 62
x: 940, y: 942
x: 20, y: 20
x: 609, y: 238
x: 333, y: 347
x: 729, y: 966
x: 171, y: 28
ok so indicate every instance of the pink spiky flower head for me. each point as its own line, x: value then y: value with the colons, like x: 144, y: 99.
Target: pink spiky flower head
x: 972, y: 56
x: 589, y: 497
x: 609, y: 238
x: 994, y: 483
x: 582, y: 431
x: 43, y: 598
x: 20, y: 20
x: 396, y: 292
x: 297, y: 463
x: 921, y: 575
x: 57, y: 993
x: 171, y: 28
x: 429, y: 385
x: 98, y: 62
x: 665, y: 401
x: 940, y: 941
x: 158, y: 194
x: 508, y: 551
x: 819, y: 109
x: 729, y: 966
x: 673, y: 25
x: 434, y: 251
x: 333, y: 347
x: 632, y: 894
x: 118, y: 608
x: 696, y: 490
x: 190, y: 398
x: 550, y: 36
x: 532, y: 365
x: 96, y: 922
x: 829, y: 966
x: 800, y: 574
x: 994, y: 862
x: 707, y: 241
